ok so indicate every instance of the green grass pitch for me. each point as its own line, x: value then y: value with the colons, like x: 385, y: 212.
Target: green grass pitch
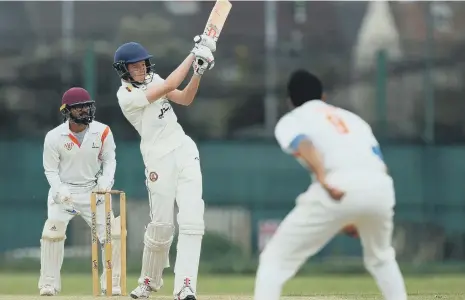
x: 23, y: 286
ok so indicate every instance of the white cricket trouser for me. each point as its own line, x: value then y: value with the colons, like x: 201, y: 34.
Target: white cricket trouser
x: 81, y: 202
x: 316, y: 219
x: 177, y: 176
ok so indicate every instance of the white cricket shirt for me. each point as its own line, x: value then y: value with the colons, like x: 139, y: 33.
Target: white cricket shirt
x: 155, y: 122
x: 77, y: 165
x: 345, y: 141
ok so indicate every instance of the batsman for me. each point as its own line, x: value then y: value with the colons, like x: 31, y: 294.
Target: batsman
x: 78, y: 158
x: 171, y: 158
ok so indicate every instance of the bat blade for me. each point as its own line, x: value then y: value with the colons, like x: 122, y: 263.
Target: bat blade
x: 217, y: 19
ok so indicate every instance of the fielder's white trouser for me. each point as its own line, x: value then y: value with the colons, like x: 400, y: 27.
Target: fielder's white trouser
x: 316, y: 219
x: 53, y: 237
x: 175, y: 176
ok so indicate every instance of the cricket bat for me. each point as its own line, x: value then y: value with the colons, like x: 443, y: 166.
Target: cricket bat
x: 217, y: 19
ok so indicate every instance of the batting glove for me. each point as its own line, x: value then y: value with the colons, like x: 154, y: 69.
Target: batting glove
x: 205, y: 40
x: 204, y: 60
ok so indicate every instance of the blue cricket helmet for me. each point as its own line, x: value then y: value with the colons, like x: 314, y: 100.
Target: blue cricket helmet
x: 129, y: 53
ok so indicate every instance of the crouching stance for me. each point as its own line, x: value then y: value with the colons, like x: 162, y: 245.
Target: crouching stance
x: 78, y: 158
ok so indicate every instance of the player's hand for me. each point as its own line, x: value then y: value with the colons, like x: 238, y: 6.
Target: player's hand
x: 104, y: 184
x: 68, y: 207
x: 200, y: 66
x: 351, y: 231
x: 100, y: 197
x: 102, y: 187
x: 63, y: 195
x: 204, y: 59
x: 205, y: 40
x: 335, y: 193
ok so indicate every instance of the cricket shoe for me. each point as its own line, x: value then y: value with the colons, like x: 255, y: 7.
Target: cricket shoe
x: 115, y: 291
x: 144, y: 289
x: 48, y: 290
x: 186, y: 293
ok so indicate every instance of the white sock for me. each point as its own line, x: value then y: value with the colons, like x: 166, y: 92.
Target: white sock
x: 389, y: 280
x: 187, y: 260
x: 51, y: 260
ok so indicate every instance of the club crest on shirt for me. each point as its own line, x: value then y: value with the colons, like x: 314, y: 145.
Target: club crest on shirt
x: 69, y: 146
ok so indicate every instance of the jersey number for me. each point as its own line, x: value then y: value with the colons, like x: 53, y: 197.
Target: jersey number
x: 337, y: 122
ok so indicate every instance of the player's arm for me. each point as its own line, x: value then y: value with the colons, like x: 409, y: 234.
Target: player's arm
x: 294, y: 141
x: 172, y: 82
x: 108, y: 157
x: 204, y: 60
x: 187, y: 95
x: 303, y: 148
x: 51, y: 162
x: 133, y: 99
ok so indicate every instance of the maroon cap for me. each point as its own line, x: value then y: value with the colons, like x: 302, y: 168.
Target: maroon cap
x: 75, y: 95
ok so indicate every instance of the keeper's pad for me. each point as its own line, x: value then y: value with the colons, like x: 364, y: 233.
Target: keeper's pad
x: 52, y: 246
x: 157, y: 239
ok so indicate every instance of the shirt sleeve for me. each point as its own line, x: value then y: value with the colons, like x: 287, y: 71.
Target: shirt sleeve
x: 108, y: 157
x: 289, y: 134
x: 51, y: 162
x: 131, y: 99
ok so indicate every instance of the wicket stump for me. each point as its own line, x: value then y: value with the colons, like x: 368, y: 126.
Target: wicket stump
x: 108, y: 246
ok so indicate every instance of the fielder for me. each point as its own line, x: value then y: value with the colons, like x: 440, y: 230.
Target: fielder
x: 78, y: 158
x: 171, y: 160
x: 350, y: 186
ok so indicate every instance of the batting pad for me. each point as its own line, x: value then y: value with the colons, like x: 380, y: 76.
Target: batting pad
x: 52, y: 247
x: 157, y: 239
x: 116, y: 255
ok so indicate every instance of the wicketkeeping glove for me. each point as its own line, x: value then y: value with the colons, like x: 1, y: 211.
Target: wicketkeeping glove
x: 69, y: 208
x: 63, y: 198
x: 103, y: 185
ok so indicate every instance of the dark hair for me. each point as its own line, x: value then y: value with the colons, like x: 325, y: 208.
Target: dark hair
x: 303, y: 86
